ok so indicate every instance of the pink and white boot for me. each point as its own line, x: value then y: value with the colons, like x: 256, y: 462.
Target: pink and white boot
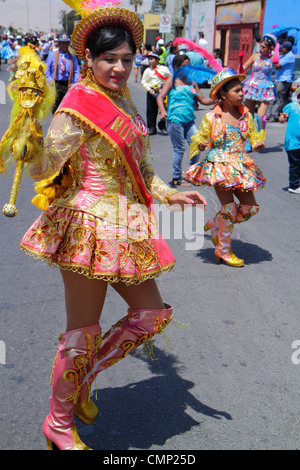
x: 132, y: 331
x: 213, y: 225
x: 74, y: 353
x: 245, y: 212
x: 223, y: 249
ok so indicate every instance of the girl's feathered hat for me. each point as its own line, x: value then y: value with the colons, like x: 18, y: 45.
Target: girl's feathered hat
x: 221, y: 78
x: 98, y: 13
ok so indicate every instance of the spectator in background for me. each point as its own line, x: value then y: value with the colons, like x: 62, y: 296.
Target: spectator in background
x: 170, y: 57
x: 55, y: 45
x: 292, y: 40
x: 18, y: 44
x: 256, y: 45
x: 283, y: 80
x: 291, y: 113
x: 138, y: 63
x: 202, y: 42
x: 153, y: 79
x: 146, y: 50
x: 45, y: 46
x: 6, y: 51
x: 63, y: 68
x: 218, y: 53
x: 161, y: 49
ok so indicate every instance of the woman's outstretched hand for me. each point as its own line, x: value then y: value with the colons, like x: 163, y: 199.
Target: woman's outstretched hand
x: 184, y: 198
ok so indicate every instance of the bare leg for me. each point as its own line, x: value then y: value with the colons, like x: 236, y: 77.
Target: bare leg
x: 225, y: 197
x: 84, y: 299
x: 144, y: 295
x: 246, y: 197
x: 262, y: 109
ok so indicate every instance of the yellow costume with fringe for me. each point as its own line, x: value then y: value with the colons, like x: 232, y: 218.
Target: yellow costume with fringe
x: 33, y: 98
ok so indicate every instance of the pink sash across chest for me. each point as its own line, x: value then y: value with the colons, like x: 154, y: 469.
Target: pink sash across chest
x: 100, y: 113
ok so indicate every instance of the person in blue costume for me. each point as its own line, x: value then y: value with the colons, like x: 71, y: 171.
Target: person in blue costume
x: 291, y: 113
x: 179, y: 114
x: 6, y: 51
x: 63, y: 68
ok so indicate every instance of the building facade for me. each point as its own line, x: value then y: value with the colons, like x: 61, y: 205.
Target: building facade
x: 237, y: 23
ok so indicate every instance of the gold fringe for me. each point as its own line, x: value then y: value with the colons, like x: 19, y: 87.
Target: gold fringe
x: 111, y: 279
x: 148, y: 347
x: 52, y: 188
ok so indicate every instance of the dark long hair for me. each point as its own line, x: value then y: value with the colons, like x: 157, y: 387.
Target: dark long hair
x: 108, y: 38
x: 178, y: 60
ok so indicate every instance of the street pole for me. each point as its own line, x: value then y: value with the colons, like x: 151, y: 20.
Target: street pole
x: 190, y: 20
x: 27, y: 17
x: 50, y: 16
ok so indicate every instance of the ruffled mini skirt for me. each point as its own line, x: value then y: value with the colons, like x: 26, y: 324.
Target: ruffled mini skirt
x: 260, y: 91
x: 226, y: 175
x: 7, y: 53
x: 76, y: 241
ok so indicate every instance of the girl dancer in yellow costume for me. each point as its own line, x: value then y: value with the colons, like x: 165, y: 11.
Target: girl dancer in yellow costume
x: 227, y: 166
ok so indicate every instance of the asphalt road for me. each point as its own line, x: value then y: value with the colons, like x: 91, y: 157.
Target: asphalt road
x: 229, y: 380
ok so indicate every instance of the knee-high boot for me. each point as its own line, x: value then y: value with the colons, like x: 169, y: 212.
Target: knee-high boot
x: 132, y: 331
x: 245, y: 212
x: 69, y: 369
x: 213, y: 225
x: 85, y: 409
x: 223, y: 249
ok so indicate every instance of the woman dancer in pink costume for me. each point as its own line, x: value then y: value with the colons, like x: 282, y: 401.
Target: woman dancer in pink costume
x: 101, y: 230
x: 258, y: 89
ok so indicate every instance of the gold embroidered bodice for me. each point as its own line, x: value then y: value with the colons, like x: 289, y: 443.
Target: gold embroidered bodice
x: 101, y: 186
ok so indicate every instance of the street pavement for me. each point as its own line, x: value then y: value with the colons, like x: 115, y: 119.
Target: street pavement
x: 228, y: 380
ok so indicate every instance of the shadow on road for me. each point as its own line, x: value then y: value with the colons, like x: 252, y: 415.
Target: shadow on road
x: 274, y: 149
x: 252, y: 254
x: 146, y: 413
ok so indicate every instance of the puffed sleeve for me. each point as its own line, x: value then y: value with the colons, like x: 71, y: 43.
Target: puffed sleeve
x: 65, y: 135
x: 255, y: 137
x: 203, y: 135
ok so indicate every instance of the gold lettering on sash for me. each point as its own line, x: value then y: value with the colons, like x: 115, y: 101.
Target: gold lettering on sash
x: 130, y: 141
x: 117, y: 124
x: 125, y: 128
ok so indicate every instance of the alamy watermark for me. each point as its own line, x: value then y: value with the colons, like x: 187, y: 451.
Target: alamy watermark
x: 296, y: 353
x: 186, y: 225
x: 2, y: 352
x: 2, y: 92
x: 134, y: 222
